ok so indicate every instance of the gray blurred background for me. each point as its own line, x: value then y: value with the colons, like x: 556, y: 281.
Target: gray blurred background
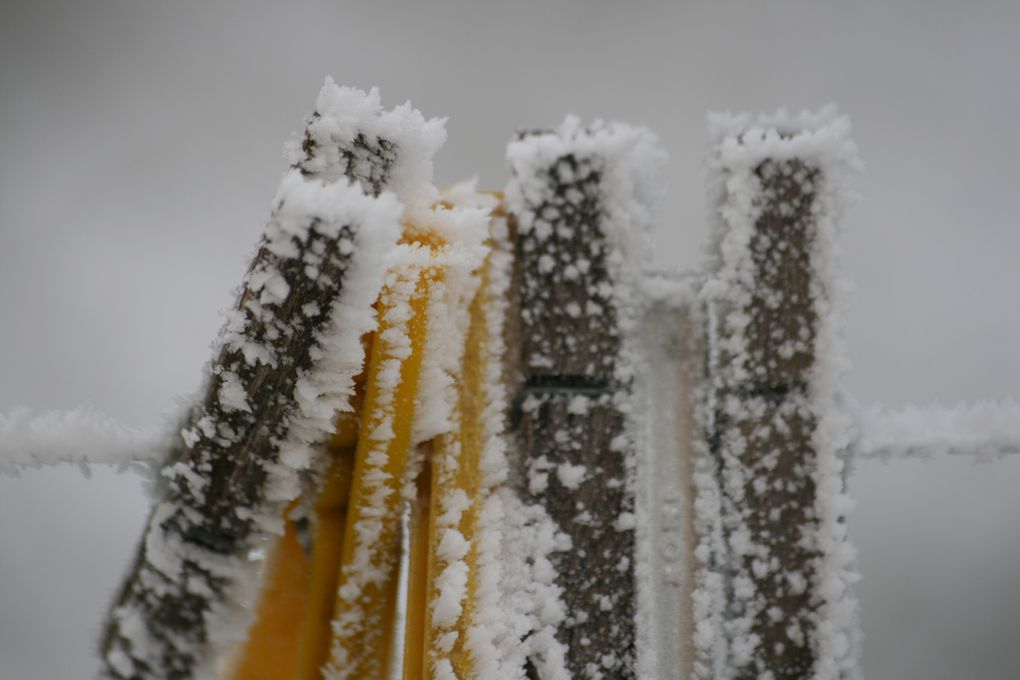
x: 140, y: 145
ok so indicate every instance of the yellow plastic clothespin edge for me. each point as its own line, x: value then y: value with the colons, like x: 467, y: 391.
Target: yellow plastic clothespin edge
x: 367, y: 650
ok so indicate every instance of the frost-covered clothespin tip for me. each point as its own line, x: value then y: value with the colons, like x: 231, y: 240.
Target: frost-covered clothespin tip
x: 350, y: 134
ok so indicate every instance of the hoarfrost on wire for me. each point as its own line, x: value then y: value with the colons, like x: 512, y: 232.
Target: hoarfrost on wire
x: 79, y: 437
x: 985, y: 429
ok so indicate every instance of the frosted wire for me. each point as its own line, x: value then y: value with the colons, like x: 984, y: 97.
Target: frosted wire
x: 78, y: 437
x: 986, y: 429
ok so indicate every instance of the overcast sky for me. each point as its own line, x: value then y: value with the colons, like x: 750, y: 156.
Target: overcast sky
x: 140, y: 145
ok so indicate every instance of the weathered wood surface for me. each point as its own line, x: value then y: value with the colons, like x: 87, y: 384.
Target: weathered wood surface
x: 763, y: 437
x: 228, y: 449
x: 569, y: 416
